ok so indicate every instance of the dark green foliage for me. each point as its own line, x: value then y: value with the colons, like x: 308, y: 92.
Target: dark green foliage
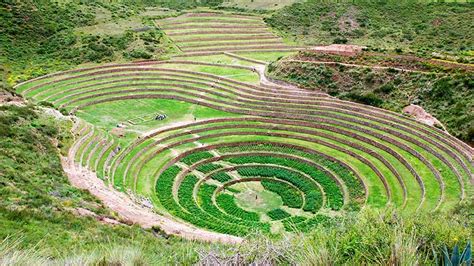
x: 385, y: 88
x: 202, y: 213
x: 40, y: 28
x: 320, y: 76
x: 354, y: 185
x: 291, y: 197
x: 138, y: 53
x: 227, y: 203
x: 205, y: 201
x: 310, y: 189
x: 367, y: 98
x: 416, y: 25
x: 278, y: 214
x: 164, y: 189
x: 206, y: 168
x: 196, y: 157
x: 221, y: 177
x: 40, y: 37
x: 340, y: 40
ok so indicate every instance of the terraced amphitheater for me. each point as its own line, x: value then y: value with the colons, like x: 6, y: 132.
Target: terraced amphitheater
x: 213, y: 33
x: 207, y: 141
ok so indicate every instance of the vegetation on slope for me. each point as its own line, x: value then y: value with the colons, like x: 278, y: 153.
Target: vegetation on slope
x: 447, y: 94
x: 38, y: 204
x: 418, y: 26
x: 40, y: 37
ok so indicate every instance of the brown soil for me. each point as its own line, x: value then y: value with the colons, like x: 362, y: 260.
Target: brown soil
x: 348, y: 21
x: 118, y: 131
x: 7, y: 98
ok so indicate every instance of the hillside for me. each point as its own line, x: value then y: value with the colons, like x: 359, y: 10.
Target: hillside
x: 201, y: 132
x: 389, y: 81
x: 41, y: 210
x: 416, y: 26
x: 41, y: 37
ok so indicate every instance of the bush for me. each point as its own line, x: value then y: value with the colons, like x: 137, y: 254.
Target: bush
x: 369, y: 98
x: 340, y: 40
x: 386, y: 88
x: 138, y: 53
x: 278, y: 214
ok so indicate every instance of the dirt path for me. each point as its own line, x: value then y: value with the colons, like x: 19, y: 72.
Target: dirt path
x: 260, y: 69
x: 130, y: 211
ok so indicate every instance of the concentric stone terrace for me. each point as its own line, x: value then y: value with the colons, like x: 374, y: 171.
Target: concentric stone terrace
x: 212, y: 33
x: 256, y: 157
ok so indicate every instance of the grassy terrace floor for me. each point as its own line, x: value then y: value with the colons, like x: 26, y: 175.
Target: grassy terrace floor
x: 233, y: 154
x: 210, y: 33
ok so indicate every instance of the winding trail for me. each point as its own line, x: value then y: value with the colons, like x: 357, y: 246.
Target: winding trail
x: 357, y: 65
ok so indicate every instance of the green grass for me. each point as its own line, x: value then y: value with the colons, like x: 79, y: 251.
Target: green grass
x: 241, y: 138
x: 265, y: 56
x: 206, y: 141
x: 208, y: 216
x: 418, y: 26
x: 219, y: 59
x: 253, y: 197
x: 290, y: 196
x: 206, y: 168
x: 108, y: 115
x: 434, y: 196
x: 196, y: 157
x: 38, y: 201
x: 235, y: 74
x: 228, y: 203
x: 221, y: 177
x: 278, y: 214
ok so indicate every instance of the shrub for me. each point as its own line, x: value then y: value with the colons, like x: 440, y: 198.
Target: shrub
x: 278, y: 214
x: 340, y: 40
x: 386, y: 88
x: 369, y: 98
x: 138, y: 53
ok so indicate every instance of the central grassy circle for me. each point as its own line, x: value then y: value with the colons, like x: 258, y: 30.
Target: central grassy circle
x: 254, y: 197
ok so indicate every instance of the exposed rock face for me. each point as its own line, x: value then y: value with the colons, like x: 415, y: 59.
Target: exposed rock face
x: 421, y: 115
x: 7, y: 98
